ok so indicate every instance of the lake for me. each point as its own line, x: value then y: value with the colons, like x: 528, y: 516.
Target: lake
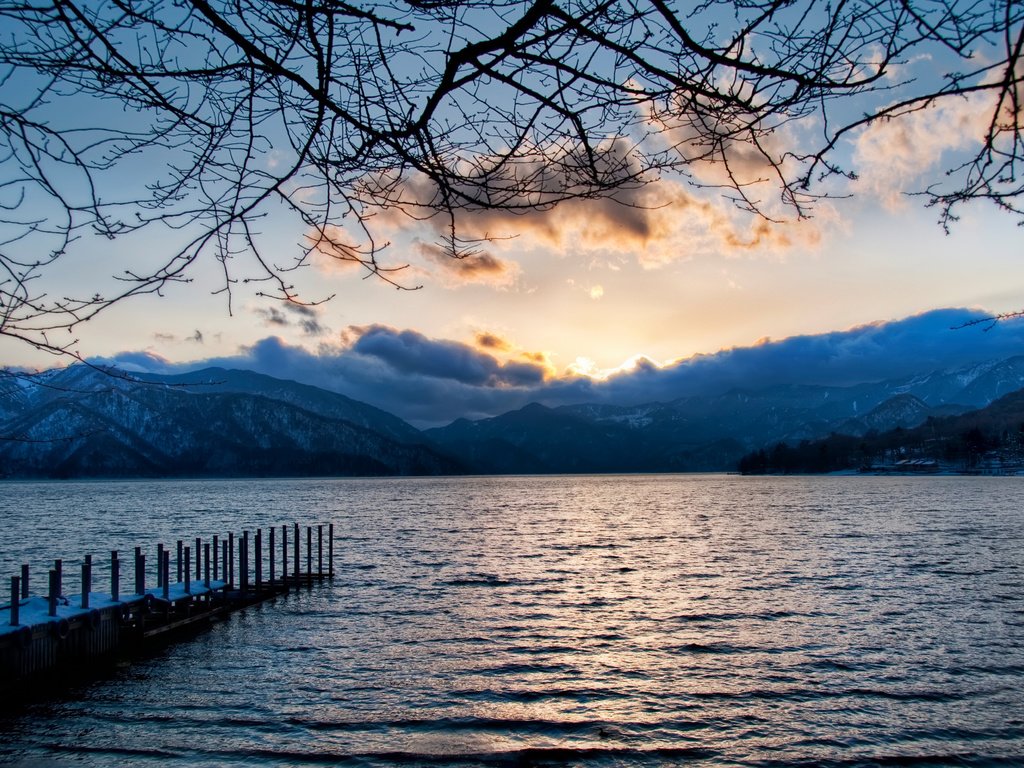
x: 603, y: 620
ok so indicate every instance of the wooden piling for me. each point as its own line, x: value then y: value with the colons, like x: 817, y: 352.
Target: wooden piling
x: 224, y: 570
x: 216, y: 554
x: 24, y: 580
x: 206, y: 563
x: 309, y: 555
x: 165, y: 567
x: 198, y: 551
x: 140, y: 572
x: 320, y: 551
x: 284, y: 557
x: 115, y: 577
x: 159, y: 565
x: 297, y: 554
x: 188, y: 570
x: 54, y: 591
x: 243, y: 561
x: 271, y: 553
x: 86, y: 580
x: 15, y: 601
x: 258, y: 559
x: 330, y: 550
x: 179, y: 563
x: 231, y: 559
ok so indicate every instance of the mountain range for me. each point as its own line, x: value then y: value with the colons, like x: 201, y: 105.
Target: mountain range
x: 711, y: 432
x: 989, y: 440
x: 82, y: 421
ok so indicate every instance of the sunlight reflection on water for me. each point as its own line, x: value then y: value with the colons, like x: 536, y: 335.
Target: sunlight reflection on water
x: 551, y: 620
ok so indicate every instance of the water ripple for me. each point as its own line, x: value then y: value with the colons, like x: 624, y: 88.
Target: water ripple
x: 580, y: 621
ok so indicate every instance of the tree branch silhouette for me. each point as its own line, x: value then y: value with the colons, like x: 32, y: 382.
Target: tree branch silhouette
x: 197, y: 121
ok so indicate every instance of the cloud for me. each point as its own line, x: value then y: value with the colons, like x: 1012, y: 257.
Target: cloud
x: 434, y: 381
x: 140, y: 362
x: 412, y: 353
x: 303, y: 316
x: 891, y: 156
x: 273, y: 316
x: 487, y: 340
x: 657, y: 224
x: 871, y: 352
x: 656, y: 221
x: 476, y: 266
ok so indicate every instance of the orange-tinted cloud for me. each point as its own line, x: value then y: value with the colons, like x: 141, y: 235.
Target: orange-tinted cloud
x: 331, y: 248
x: 487, y: 340
x: 480, y: 267
x: 659, y: 222
x: 892, y: 155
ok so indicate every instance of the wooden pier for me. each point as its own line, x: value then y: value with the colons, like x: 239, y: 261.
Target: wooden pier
x: 47, y: 637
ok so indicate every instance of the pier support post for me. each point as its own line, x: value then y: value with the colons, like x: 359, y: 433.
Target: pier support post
x: 86, y: 580
x: 231, y: 560
x: 15, y: 600
x: 216, y: 554
x: 243, y: 561
x: 297, y: 554
x: 320, y: 551
x: 309, y: 555
x: 284, y: 557
x: 115, y: 577
x: 330, y: 550
x: 258, y: 560
x: 271, y: 552
x: 159, y: 565
x: 206, y: 564
x: 199, y: 550
x: 140, y: 572
x: 224, y: 557
x: 166, y: 568
x: 180, y: 578
x: 54, y: 591
x: 24, y: 580
x: 188, y: 570
x: 58, y: 567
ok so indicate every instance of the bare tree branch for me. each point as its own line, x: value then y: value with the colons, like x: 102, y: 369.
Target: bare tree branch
x: 197, y: 121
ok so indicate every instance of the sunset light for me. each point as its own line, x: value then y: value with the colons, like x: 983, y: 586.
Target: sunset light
x: 457, y: 383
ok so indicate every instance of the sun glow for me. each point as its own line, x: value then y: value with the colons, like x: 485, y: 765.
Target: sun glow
x: 584, y: 366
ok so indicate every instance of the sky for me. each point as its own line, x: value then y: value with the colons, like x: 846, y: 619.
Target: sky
x: 614, y: 301
x: 579, y: 300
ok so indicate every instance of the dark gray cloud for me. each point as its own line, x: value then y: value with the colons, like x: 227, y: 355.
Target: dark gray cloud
x: 305, y: 317
x: 273, y: 316
x: 431, y: 381
x: 412, y: 353
x: 874, y: 352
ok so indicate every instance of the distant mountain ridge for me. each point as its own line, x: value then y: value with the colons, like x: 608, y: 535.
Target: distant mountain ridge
x: 82, y: 422
x: 989, y: 440
x: 699, y: 433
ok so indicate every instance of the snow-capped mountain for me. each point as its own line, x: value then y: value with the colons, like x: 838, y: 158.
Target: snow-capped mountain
x: 711, y: 432
x: 86, y: 422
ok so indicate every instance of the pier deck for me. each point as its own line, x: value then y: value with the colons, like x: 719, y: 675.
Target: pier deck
x: 56, y: 634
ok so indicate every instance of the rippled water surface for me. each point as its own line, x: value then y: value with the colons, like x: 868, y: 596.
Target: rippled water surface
x: 706, y: 620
